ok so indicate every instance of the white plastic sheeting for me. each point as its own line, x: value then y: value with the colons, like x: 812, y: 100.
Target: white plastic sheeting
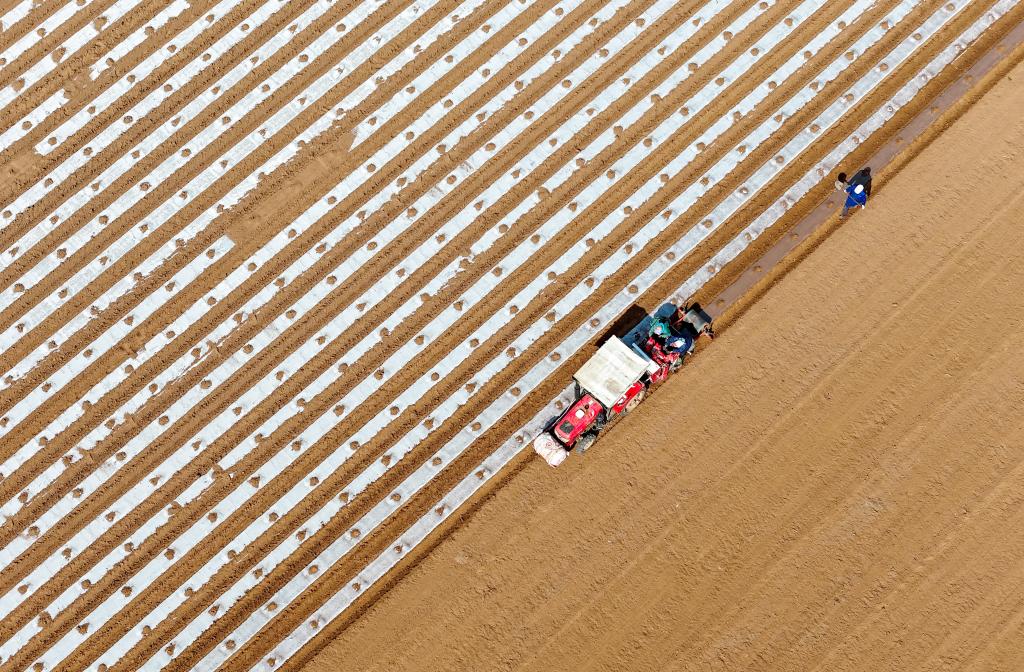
x: 472, y: 482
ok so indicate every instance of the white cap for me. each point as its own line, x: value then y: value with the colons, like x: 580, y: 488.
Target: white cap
x: 859, y: 188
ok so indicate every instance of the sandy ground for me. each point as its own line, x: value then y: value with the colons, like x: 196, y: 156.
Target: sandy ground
x: 217, y: 368
x: 835, y: 484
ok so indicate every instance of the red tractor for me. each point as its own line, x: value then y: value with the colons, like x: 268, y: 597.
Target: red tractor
x: 616, y: 378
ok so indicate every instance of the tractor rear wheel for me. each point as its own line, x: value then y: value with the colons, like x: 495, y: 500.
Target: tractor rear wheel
x: 584, y: 442
x: 634, y: 402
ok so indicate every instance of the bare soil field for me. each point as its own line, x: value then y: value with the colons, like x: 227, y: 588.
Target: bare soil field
x: 834, y: 484
x: 284, y: 284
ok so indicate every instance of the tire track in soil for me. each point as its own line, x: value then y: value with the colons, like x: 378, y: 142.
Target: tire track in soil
x: 1000, y: 605
x: 400, y: 524
x: 1004, y: 641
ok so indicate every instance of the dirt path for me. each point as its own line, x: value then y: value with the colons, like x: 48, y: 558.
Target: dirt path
x: 833, y: 485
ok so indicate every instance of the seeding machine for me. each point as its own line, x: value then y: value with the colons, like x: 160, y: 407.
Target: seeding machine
x: 620, y: 374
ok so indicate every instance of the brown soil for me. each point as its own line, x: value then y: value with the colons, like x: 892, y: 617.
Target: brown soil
x: 285, y: 194
x: 317, y: 168
x: 834, y: 484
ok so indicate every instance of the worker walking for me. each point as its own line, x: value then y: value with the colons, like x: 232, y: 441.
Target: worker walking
x: 862, y: 176
x: 856, y: 196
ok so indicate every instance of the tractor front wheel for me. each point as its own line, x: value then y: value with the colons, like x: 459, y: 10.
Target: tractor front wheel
x: 584, y: 442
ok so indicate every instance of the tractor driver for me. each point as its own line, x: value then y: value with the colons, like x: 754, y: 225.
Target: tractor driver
x: 669, y: 340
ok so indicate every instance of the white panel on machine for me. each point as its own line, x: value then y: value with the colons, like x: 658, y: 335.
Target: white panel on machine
x: 609, y: 373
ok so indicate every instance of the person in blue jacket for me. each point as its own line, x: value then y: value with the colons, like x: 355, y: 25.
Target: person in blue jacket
x: 856, y: 197
x: 862, y: 176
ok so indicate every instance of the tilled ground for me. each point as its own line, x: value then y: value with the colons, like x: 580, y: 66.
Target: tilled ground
x: 263, y: 265
x: 833, y: 485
